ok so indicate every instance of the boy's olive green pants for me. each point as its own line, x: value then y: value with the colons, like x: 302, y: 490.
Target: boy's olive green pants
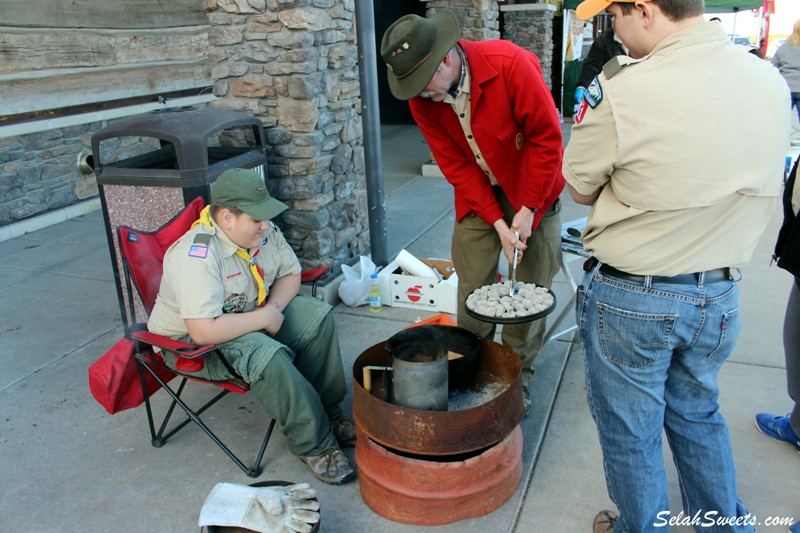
x: 296, y: 376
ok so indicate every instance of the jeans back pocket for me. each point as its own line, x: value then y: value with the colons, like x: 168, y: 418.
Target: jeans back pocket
x: 632, y: 338
x: 728, y: 333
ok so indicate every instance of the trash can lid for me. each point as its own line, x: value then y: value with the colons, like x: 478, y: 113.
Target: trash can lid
x: 187, y: 130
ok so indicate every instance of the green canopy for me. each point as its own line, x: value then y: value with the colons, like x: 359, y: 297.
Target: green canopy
x: 712, y: 6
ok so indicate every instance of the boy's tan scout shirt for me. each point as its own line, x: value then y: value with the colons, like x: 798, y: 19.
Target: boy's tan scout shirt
x: 204, y: 280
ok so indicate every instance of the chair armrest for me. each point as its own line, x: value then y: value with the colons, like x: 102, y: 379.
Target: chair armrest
x: 181, y: 349
x: 314, y: 274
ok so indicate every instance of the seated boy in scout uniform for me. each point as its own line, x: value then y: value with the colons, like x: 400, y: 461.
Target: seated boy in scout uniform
x: 232, y: 280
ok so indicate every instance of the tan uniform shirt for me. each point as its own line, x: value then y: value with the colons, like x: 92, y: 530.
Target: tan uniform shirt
x: 688, y: 145
x: 203, y: 281
x: 461, y: 106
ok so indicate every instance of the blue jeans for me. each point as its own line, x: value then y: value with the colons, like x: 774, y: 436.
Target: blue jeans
x: 796, y: 103
x: 653, y: 351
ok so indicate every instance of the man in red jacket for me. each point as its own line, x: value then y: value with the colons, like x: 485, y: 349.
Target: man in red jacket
x: 492, y: 126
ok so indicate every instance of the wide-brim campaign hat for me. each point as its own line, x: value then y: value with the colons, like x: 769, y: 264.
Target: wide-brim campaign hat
x: 589, y: 8
x: 245, y: 189
x: 412, y: 49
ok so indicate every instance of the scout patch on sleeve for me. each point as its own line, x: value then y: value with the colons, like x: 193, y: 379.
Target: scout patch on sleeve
x: 199, y: 246
x: 594, y: 93
x: 581, y: 111
x: 198, y: 250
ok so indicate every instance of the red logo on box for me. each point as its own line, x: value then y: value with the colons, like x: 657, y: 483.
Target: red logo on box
x: 413, y: 293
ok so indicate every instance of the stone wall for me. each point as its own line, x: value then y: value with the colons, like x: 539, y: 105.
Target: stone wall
x: 38, y: 171
x: 531, y: 27
x: 527, y: 25
x: 293, y: 64
x: 478, y: 19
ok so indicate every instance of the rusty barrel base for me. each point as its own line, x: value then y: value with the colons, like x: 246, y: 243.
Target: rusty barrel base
x: 431, y: 493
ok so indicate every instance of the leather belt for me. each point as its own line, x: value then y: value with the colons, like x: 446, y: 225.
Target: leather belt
x: 709, y: 276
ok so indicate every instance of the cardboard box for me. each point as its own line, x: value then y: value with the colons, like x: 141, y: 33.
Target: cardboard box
x: 427, y: 294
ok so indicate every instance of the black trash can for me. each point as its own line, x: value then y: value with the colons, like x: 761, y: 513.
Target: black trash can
x: 150, y: 166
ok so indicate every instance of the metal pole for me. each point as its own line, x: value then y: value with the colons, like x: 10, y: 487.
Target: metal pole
x: 371, y: 121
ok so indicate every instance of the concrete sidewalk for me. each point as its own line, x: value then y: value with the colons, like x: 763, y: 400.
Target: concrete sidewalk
x: 69, y: 466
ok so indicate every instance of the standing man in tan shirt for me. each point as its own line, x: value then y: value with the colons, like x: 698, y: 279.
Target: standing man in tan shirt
x: 679, y: 149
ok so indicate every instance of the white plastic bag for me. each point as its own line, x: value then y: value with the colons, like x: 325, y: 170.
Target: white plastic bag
x: 354, y: 289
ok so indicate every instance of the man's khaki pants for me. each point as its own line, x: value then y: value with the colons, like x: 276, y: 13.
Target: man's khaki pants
x: 476, y: 248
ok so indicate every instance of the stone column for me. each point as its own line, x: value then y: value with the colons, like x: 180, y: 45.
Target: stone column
x: 478, y: 19
x: 531, y: 27
x: 293, y: 64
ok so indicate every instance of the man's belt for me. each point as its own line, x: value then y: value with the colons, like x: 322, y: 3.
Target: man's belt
x: 709, y: 276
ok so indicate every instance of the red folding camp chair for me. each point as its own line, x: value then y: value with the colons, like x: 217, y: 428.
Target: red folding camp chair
x: 142, y: 256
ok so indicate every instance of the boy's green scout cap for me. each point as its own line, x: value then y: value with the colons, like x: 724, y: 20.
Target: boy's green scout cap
x: 245, y: 189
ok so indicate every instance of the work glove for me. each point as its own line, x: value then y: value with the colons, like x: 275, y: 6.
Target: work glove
x: 579, y: 91
x: 290, y: 509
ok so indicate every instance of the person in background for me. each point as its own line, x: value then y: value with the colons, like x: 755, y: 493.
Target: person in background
x: 494, y: 130
x: 606, y: 46
x: 787, y: 60
x: 787, y: 254
x: 232, y: 280
x: 679, y: 200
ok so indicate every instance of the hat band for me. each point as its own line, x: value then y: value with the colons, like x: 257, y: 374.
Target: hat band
x: 421, y: 61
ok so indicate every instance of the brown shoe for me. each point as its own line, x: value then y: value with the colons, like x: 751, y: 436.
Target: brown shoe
x: 526, y: 401
x: 331, y: 466
x: 604, y: 522
x: 344, y: 430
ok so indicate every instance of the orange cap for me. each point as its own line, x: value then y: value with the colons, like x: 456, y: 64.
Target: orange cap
x: 589, y: 8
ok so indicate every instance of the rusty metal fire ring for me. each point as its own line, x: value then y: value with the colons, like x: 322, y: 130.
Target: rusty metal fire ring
x: 436, y: 433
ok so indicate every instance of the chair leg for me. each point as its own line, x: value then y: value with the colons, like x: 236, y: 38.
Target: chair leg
x: 255, y: 471
x: 158, y: 439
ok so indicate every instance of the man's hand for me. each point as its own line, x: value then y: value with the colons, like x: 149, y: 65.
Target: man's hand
x: 523, y: 222
x: 509, y: 241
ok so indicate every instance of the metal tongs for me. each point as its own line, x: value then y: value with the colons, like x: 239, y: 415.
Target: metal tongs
x: 513, y: 288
